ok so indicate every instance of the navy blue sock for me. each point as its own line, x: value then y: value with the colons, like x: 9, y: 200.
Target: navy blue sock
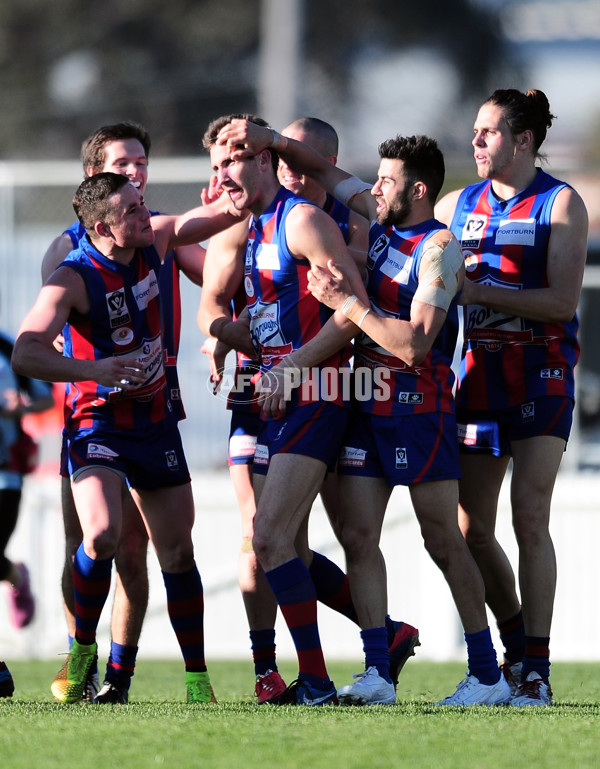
x: 375, y: 645
x: 537, y: 657
x: 483, y: 663
x: 512, y: 635
x: 263, y: 650
x: 121, y: 663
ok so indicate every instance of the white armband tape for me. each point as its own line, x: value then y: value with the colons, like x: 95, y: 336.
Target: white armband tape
x: 444, y: 262
x: 348, y: 188
x: 279, y: 142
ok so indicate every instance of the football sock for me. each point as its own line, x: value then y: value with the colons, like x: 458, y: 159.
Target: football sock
x: 537, y: 657
x: 121, y: 663
x: 295, y: 592
x: 185, y: 604
x: 91, y: 584
x: 332, y: 586
x: 512, y: 635
x: 263, y: 650
x: 375, y: 646
x: 483, y: 663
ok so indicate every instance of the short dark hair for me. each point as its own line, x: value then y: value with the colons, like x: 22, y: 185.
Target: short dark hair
x: 422, y: 158
x: 210, y: 135
x: 92, y: 149
x: 525, y: 111
x: 324, y: 136
x: 91, y: 201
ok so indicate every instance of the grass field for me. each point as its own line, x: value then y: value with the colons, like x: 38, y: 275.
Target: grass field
x: 158, y: 729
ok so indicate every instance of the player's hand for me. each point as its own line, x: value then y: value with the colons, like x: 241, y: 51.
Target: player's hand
x: 245, y: 138
x: 329, y: 286
x: 217, y: 352
x: 271, y: 391
x: 59, y: 343
x: 211, y: 193
x: 121, y: 372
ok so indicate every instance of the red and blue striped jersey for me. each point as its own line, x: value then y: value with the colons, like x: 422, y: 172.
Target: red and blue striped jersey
x: 170, y: 306
x: 506, y: 359
x: 284, y: 315
x: 124, y: 319
x: 384, y: 384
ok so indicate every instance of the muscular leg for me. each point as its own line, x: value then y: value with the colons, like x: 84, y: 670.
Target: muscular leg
x: 435, y: 504
x: 479, y: 488
x: 73, y: 537
x: 259, y: 601
x: 535, y: 466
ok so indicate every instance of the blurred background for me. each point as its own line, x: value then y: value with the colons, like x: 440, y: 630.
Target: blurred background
x: 372, y: 68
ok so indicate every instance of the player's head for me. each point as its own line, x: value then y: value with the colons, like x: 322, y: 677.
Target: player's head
x: 121, y: 148
x: 209, y: 139
x: 323, y: 138
x: 94, y: 200
x: 529, y: 111
x: 411, y: 170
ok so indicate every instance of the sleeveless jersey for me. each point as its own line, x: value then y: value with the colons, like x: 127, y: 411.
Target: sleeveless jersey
x: 507, y: 360
x: 170, y: 306
x: 284, y: 315
x: 124, y: 319
x: 384, y: 384
x: 241, y: 399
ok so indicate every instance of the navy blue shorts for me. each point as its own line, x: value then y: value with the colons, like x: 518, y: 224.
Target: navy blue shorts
x: 147, y: 459
x: 492, y: 432
x: 404, y: 450
x: 314, y: 430
x: 243, y: 432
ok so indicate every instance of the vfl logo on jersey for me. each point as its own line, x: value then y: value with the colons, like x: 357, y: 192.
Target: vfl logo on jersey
x: 118, y: 313
x: 267, y: 257
x: 401, y: 459
x: 397, y: 266
x: 411, y: 399
x: 376, y: 250
x: 552, y: 373
x: 528, y: 412
x: 145, y: 290
x: 516, y: 232
x: 171, y: 459
x: 97, y: 451
x: 473, y: 231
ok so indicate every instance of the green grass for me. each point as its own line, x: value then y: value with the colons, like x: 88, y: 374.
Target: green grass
x: 159, y: 729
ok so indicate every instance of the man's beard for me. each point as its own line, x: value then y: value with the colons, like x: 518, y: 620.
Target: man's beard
x: 398, y: 213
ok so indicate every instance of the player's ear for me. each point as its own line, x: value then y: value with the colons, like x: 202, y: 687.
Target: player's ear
x: 102, y: 230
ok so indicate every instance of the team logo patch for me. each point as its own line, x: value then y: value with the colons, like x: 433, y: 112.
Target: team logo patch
x: 118, y: 312
x: 552, y: 373
x: 411, y: 398
x: 473, y: 231
x: 352, y: 457
x: 401, y: 459
x: 171, y: 459
x: 97, y: 451
x: 528, y: 412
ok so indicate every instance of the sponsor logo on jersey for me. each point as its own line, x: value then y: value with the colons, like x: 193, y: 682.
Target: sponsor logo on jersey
x: 267, y: 257
x: 397, y: 266
x: 467, y: 434
x: 261, y: 455
x: 516, y: 232
x: 552, y: 373
x: 118, y: 312
x: 248, y: 286
x: 410, y: 398
x: 122, y: 336
x: 145, y: 290
x: 352, y: 457
x: 97, y: 451
x: 401, y: 459
x: 473, y: 231
x: 471, y: 261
